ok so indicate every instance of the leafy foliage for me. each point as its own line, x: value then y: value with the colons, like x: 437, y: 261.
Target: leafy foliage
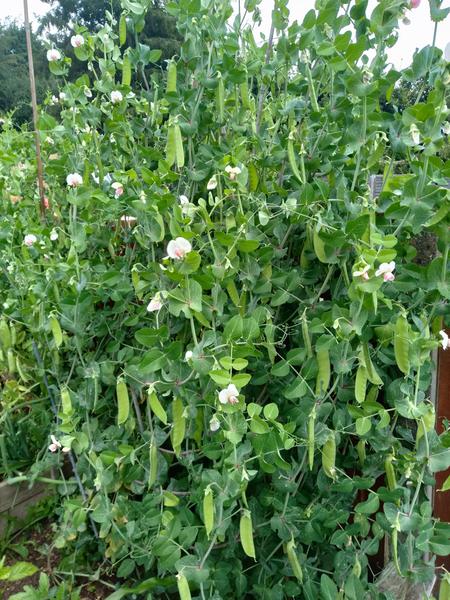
x: 243, y: 359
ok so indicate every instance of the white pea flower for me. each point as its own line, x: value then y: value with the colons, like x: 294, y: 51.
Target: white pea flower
x: 118, y: 188
x: 50, y: 141
x: 74, y: 180
x: 212, y: 183
x: 54, y: 100
x: 143, y: 197
x: 62, y: 96
x: 362, y: 272
x: 107, y: 179
x: 53, y: 235
x: 188, y: 356
x: 386, y: 269
x: 128, y: 220
x: 445, y: 342
x: 56, y: 445
x: 29, y: 239
x: 233, y: 172
x: 77, y: 41
x: 178, y: 248
x: 96, y: 178
x: 155, y: 304
x: 214, y: 423
x: 87, y: 92
x: 53, y: 55
x: 415, y: 134
x: 184, y: 200
x: 229, y: 395
x: 116, y: 97
x: 446, y: 128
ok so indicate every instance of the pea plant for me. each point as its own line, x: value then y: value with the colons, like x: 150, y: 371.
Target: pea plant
x: 236, y: 332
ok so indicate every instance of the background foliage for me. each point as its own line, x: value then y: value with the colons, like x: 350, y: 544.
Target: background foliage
x: 260, y: 158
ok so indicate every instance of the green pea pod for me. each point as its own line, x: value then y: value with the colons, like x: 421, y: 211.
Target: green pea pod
x: 311, y: 439
x: 156, y: 406
x: 126, y: 70
x: 12, y: 366
x: 21, y: 372
x: 329, y: 457
x: 171, y: 78
x: 319, y: 247
x: 208, y: 510
x: 395, y: 551
x: 360, y: 384
x: 153, y: 464
x: 361, y: 450
x: 356, y: 568
x: 66, y: 402
x: 122, y: 30
x: 233, y: 293
x: 444, y: 588
x: 178, y: 425
x: 245, y: 98
x: 253, y: 179
x: 306, y: 337
x: 324, y: 373
x: 179, y: 151
x: 183, y: 587
x: 390, y: 472
x: 5, y: 335
x: 220, y: 100
x: 56, y: 330
x: 401, y: 344
x: 372, y: 374
x: 293, y: 560
x: 291, y: 157
x: 246, y: 533
x: 123, y: 401
x: 13, y: 331
x: 171, y: 145
x: 312, y: 90
x: 426, y: 423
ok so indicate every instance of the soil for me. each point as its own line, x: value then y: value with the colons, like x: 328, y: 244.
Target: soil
x: 46, y: 559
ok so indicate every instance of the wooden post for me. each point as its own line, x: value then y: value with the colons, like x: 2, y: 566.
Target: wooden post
x: 40, y: 175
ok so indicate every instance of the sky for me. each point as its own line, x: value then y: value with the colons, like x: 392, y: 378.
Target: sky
x: 416, y: 35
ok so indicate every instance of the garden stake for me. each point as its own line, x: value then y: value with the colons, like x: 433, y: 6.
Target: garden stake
x: 35, y: 110
x: 72, y: 460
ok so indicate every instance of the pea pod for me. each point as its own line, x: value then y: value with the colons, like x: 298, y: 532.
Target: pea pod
x: 5, y: 335
x: 171, y: 145
x: 126, y: 70
x: 444, y: 588
x: 171, y: 78
x: 306, y: 337
x: 329, y: 457
x: 426, y: 422
x: 395, y: 551
x: 323, y: 374
x: 390, y: 472
x: 56, y: 330
x: 319, y: 247
x: 246, y: 533
x: 233, y: 293
x: 122, y: 30
x: 220, y: 99
x: 183, y: 587
x: 356, y: 568
x: 401, y: 344
x: 178, y: 425
x: 123, y: 401
x: 253, y: 179
x: 179, y: 151
x: 156, y: 406
x: 12, y: 366
x: 293, y: 560
x: 312, y: 90
x: 20, y: 370
x: 361, y: 450
x: 245, y: 98
x: 311, y: 440
x: 208, y: 510
x: 360, y: 384
x: 66, y: 402
x: 13, y: 331
x: 372, y: 374
x: 153, y: 464
x: 292, y: 159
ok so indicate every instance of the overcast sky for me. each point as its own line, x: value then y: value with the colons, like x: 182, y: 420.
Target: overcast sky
x: 416, y: 35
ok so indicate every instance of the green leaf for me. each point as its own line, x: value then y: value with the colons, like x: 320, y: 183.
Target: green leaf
x: 370, y: 506
x: 328, y: 589
x: 271, y: 411
x: 233, y: 330
x: 439, y: 461
x: 18, y: 570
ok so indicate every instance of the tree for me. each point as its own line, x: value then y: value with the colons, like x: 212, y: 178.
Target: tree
x: 14, y: 82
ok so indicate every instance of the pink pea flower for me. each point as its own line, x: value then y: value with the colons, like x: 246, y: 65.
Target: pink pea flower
x: 386, y: 270
x: 118, y: 188
x: 77, y: 41
x: 53, y: 55
x: 362, y: 272
x: 29, y: 239
x: 415, y: 3
x: 73, y: 180
x: 229, y: 395
x: 155, y: 304
x: 178, y: 248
